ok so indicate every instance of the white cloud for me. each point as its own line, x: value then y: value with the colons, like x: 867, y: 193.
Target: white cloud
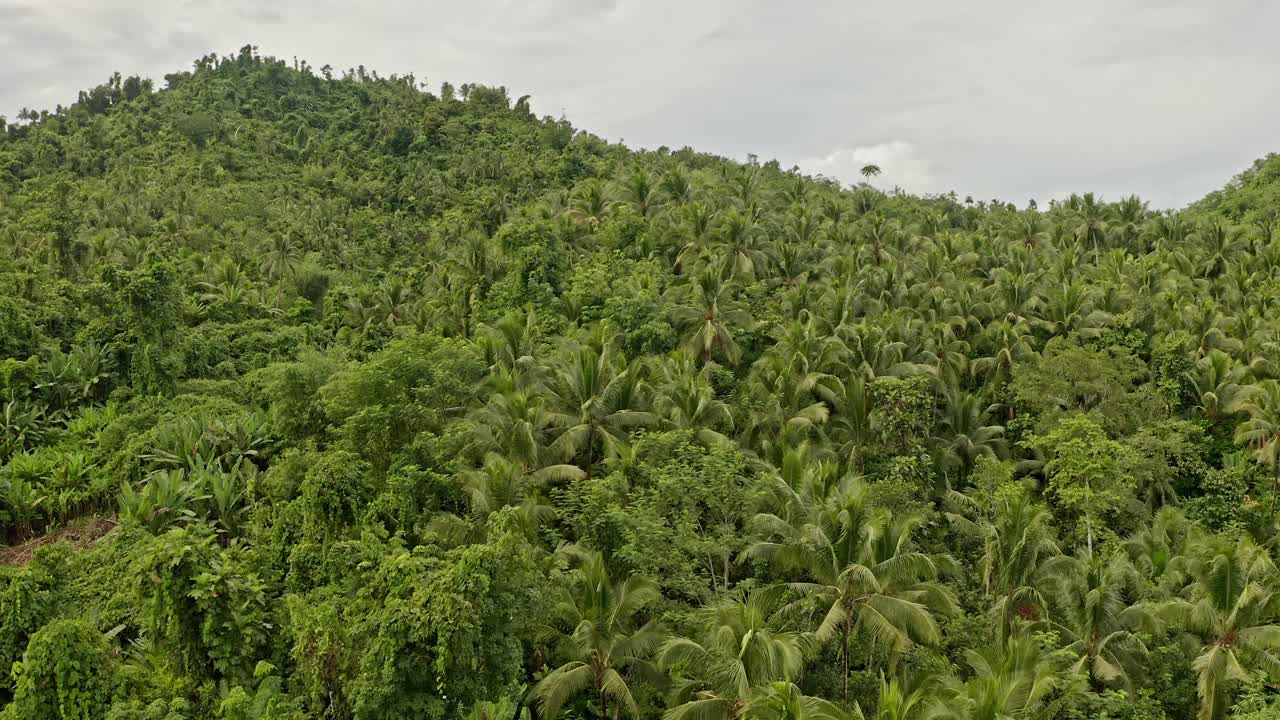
x: 900, y: 163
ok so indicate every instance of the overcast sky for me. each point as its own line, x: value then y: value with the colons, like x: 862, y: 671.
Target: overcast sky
x: 1013, y: 99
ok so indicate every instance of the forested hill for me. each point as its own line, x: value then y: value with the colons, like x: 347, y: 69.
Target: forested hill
x: 326, y: 396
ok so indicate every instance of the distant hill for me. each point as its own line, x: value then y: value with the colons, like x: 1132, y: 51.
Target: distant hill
x: 1252, y: 197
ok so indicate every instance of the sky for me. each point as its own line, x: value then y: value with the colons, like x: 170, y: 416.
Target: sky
x: 1008, y: 99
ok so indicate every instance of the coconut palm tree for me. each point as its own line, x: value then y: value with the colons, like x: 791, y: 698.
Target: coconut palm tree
x: 1220, y: 383
x: 598, y: 400
x: 642, y: 193
x: 787, y: 407
x: 1099, y: 626
x: 857, y: 567
x: 515, y: 424
x: 870, y: 170
x: 785, y: 701
x: 1029, y: 231
x: 1014, y: 296
x: 911, y: 699
x: 710, y: 316
x: 875, y: 351
x: 1015, y: 681
x: 1017, y: 546
x: 499, y: 483
x: 807, y: 349
x: 695, y: 225
x: 394, y: 303
x: 745, y: 643
x: 1261, y: 432
x: 281, y: 259
x: 675, y: 184
x: 965, y: 431
x: 740, y: 245
x: 591, y: 202
x: 509, y: 347
x: 1069, y: 308
x: 853, y: 428
x: 685, y: 400
x: 1091, y: 224
x: 1231, y: 606
x: 598, y: 624
x: 1221, y: 244
x: 1157, y: 551
x: 879, y: 232
x: 1204, y: 322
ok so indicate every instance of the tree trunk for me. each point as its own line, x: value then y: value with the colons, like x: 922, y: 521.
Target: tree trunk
x: 844, y: 677
x: 1088, y: 526
x: 1275, y: 484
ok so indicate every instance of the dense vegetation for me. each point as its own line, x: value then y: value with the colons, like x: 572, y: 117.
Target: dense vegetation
x: 414, y: 405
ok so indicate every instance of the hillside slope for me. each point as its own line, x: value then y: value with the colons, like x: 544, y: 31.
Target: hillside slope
x: 415, y: 405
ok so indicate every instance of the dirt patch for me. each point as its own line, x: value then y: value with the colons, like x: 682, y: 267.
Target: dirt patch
x: 81, y: 533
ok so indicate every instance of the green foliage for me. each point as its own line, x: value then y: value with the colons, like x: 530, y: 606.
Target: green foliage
x: 1120, y: 705
x: 449, y: 630
x: 1171, y: 461
x: 202, y: 603
x: 994, y: 483
x: 1172, y: 369
x: 29, y: 598
x: 292, y: 390
x: 1227, y: 500
x: 176, y: 709
x: 411, y: 387
x: 324, y: 655
x: 902, y: 410
x: 676, y: 513
x: 904, y: 484
x: 504, y: 709
x: 19, y: 336
x: 1251, y: 197
x: 537, y: 267
x: 1255, y: 703
x: 265, y: 701
x: 65, y: 673
x: 148, y: 299
x: 1069, y: 378
x: 333, y: 495
x: 1088, y: 474
x: 348, y: 361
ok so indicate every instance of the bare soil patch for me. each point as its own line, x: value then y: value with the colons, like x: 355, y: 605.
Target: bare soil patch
x: 80, y: 533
